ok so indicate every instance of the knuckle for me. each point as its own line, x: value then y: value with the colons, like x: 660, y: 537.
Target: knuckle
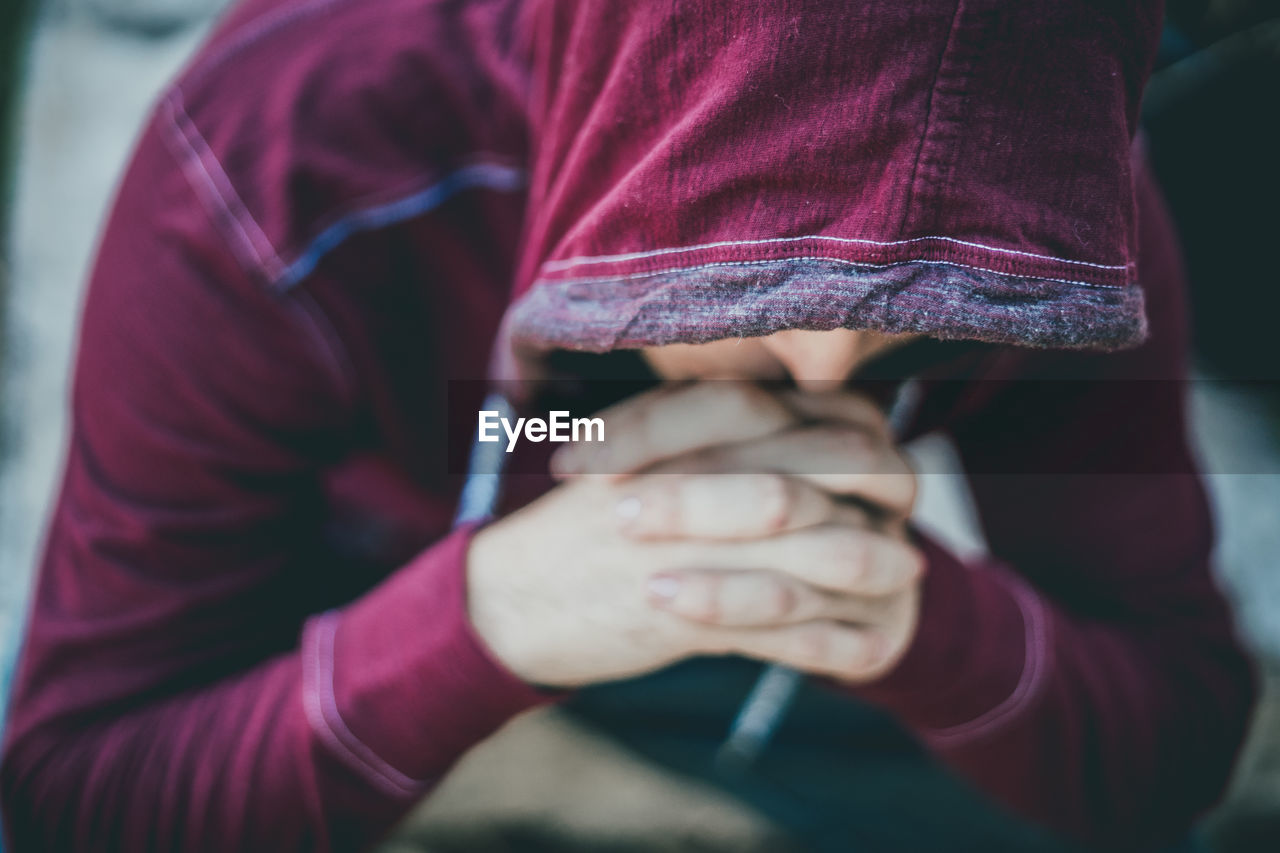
x: 834, y: 441
x: 858, y: 442
x: 861, y: 657
x: 917, y: 565
x: 813, y: 645
x: 706, y: 600
x: 849, y: 552
x: 876, y: 417
x: 903, y: 567
x: 754, y: 402
x: 652, y: 423
x: 676, y: 495
x: 776, y: 498
x: 783, y: 602
x: 911, y: 481
x: 658, y: 506
x: 853, y: 440
x: 876, y: 654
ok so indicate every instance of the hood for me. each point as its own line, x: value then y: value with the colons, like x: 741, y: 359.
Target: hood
x: 724, y: 169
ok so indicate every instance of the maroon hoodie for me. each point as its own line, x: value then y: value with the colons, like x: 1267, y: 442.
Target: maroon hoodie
x: 341, y: 206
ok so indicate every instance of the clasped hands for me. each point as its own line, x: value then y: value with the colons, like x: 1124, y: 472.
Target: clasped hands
x: 718, y: 518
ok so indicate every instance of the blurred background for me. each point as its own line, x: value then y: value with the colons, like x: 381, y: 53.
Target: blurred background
x: 78, y: 76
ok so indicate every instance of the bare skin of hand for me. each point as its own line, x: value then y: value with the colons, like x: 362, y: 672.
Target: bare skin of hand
x: 720, y: 518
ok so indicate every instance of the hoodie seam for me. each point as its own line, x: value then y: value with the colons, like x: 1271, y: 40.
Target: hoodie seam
x: 255, y: 250
x: 1037, y: 662
x: 211, y: 183
x: 199, y: 168
x: 592, y: 260
x: 332, y: 348
x: 926, y: 131
x: 843, y: 261
x: 321, y: 708
x: 486, y: 171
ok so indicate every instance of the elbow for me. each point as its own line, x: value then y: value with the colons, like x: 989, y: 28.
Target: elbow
x: 1201, y: 745
x: 1159, y: 759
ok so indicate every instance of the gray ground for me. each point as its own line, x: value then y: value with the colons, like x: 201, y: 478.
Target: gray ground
x: 89, y: 89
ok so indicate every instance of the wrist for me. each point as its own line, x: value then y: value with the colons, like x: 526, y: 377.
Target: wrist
x: 403, y: 653
x: 968, y: 652
x: 491, y: 618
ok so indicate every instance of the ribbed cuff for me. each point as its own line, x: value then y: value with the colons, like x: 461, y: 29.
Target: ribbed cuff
x: 398, y: 685
x: 979, y: 657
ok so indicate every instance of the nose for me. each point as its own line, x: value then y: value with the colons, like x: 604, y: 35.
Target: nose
x: 816, y: 360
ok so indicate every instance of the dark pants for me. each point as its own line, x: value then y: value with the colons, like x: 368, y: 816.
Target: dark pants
x: 838, y: 774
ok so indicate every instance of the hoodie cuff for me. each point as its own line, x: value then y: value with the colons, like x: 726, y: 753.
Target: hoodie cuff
x: 980, y: 656
x: 398, y: 684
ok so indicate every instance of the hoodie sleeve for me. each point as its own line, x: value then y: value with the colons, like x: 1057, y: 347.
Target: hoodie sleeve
x: 176, y: 691
x: 1087, y: 674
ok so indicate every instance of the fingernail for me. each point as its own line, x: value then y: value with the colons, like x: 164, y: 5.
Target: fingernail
x: 663, y: 588
x: 628, y: 509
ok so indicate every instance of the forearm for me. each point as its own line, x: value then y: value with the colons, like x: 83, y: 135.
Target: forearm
x: 323, y: 747
x: 1113, y: 732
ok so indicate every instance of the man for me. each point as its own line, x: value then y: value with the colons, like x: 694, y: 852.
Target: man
x: 253, y: 628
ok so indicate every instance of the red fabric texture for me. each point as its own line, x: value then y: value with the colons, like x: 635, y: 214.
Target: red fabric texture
x: 716, y: 169
x: 327, y: 219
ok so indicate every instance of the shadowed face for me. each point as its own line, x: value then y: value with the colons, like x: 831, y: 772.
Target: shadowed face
x: 812, y: 360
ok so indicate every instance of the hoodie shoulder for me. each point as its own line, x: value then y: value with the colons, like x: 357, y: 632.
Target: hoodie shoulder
x: 300, y: 122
